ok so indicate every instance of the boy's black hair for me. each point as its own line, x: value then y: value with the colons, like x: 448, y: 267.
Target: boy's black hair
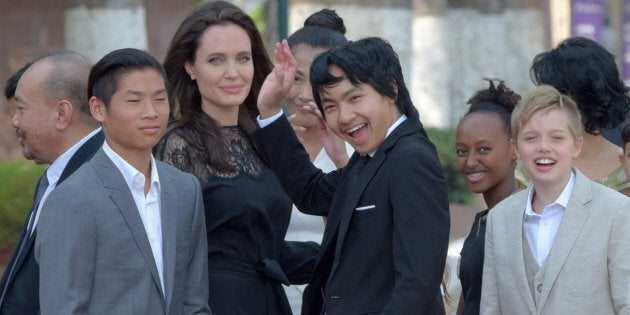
x: 370, y: 61
x: 105, y: 74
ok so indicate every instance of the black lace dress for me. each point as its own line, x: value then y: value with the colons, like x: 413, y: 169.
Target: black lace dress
x: 247, y: 215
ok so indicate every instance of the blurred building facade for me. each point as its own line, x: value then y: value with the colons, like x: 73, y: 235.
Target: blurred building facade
x: 445, y: 46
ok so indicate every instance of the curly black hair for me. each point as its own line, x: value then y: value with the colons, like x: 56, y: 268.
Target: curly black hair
x: 586, y: 71
x: 498, y: 99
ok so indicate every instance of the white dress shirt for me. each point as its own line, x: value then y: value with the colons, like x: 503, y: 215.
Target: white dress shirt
x: 53, y: 173
x: 541, y: 229
x: 148, y: 205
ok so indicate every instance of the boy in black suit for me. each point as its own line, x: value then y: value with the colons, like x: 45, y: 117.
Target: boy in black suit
x: 386, y: 238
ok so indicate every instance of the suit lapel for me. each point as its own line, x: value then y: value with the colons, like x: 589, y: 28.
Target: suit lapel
x: 355, y: 183
x: 573, y: 220
x: 17, y: 257
x: 24, y: 237
x: 168, y: 214
x: 355, y: 187
x: 122, y: 198
x: 514, y: 237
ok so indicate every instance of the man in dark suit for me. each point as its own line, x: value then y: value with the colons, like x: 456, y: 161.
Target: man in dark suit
x: 54, y: 126
x: 385, y: 242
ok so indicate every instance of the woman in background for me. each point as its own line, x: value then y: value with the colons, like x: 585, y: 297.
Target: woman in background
x: 216, y: 65
x: 486, y: 160
x: 584, y: 70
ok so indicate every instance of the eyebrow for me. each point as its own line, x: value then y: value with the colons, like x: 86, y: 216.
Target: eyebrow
x: 223, y: 54
x: 140, y: 93
x: 344, y: 95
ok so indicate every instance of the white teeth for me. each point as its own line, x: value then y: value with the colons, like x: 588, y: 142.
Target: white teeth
x: 545, y: 161
x: 475, y: 174
x: 351, y: 130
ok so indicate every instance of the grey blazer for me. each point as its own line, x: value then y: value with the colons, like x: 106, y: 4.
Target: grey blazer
x: 587, y: 270
x: 94, y: 254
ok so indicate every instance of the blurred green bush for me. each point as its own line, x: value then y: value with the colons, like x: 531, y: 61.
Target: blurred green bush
x: 17, y: 186
x: 444, y: 140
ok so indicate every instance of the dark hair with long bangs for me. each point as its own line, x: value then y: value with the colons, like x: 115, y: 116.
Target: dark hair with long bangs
x: 202, y: 131
x: 370, y: 61
x: 584, y: 70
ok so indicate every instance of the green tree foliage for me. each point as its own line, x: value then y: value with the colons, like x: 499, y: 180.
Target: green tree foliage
x: 17, y: 186
x: 444, y: 140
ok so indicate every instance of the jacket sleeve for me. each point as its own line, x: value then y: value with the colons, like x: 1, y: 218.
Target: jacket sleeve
x: 65, y: 249
x: 421, y: 225
x: 489, y: 285
x: 309, y: 188
x: 619, y: 259
x: 195, y: 299
x: 298, y: 260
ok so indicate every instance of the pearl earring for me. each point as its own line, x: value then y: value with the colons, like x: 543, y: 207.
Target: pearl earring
x: 192, y: 77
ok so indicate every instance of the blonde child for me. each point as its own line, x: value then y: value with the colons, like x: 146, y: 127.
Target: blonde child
x: 561, y: 245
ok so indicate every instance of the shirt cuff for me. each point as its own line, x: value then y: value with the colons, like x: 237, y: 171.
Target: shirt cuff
x: 268, y: 121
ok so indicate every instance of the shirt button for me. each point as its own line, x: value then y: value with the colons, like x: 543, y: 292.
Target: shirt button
x: 539, y: 288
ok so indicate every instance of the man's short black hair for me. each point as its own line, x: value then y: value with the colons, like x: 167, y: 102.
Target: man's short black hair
x: 105, y: 74
x: 12, y: 82
x: 370, y: 61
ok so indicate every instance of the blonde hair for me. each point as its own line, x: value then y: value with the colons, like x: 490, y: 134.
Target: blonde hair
x: 546, y: 98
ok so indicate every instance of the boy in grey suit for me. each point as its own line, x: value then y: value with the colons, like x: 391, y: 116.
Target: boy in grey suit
x: 125, y: 234
x: 560, y: 246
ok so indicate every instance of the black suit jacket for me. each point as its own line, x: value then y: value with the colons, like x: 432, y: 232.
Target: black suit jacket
x: 22, y: 289
x: 386, y: 239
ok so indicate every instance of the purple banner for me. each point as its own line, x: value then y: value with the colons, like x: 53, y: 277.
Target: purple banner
x: 587, y: 18
x: 625, y: 35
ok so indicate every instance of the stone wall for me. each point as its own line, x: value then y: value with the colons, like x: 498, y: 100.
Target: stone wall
x: 446, y: 47
x: 454, y: 50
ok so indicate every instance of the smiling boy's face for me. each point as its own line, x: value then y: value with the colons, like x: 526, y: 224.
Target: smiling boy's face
x: 547, y: 148
x: 358, y: 114
x: 137, y: 116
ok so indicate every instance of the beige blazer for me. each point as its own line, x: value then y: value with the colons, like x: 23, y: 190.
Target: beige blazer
x: 588, y: 267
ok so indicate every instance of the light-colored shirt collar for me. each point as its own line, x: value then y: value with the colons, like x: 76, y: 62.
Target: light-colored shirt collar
x: 399, y: 121
x: 133, y: 177
x: 56, y: 168
x: 562, y: 200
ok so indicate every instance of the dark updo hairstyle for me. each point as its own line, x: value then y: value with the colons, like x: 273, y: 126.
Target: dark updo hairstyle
x: 498, y: 99
x: 323, y: 29
x: 191, y: 123
x: 587, y: 72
